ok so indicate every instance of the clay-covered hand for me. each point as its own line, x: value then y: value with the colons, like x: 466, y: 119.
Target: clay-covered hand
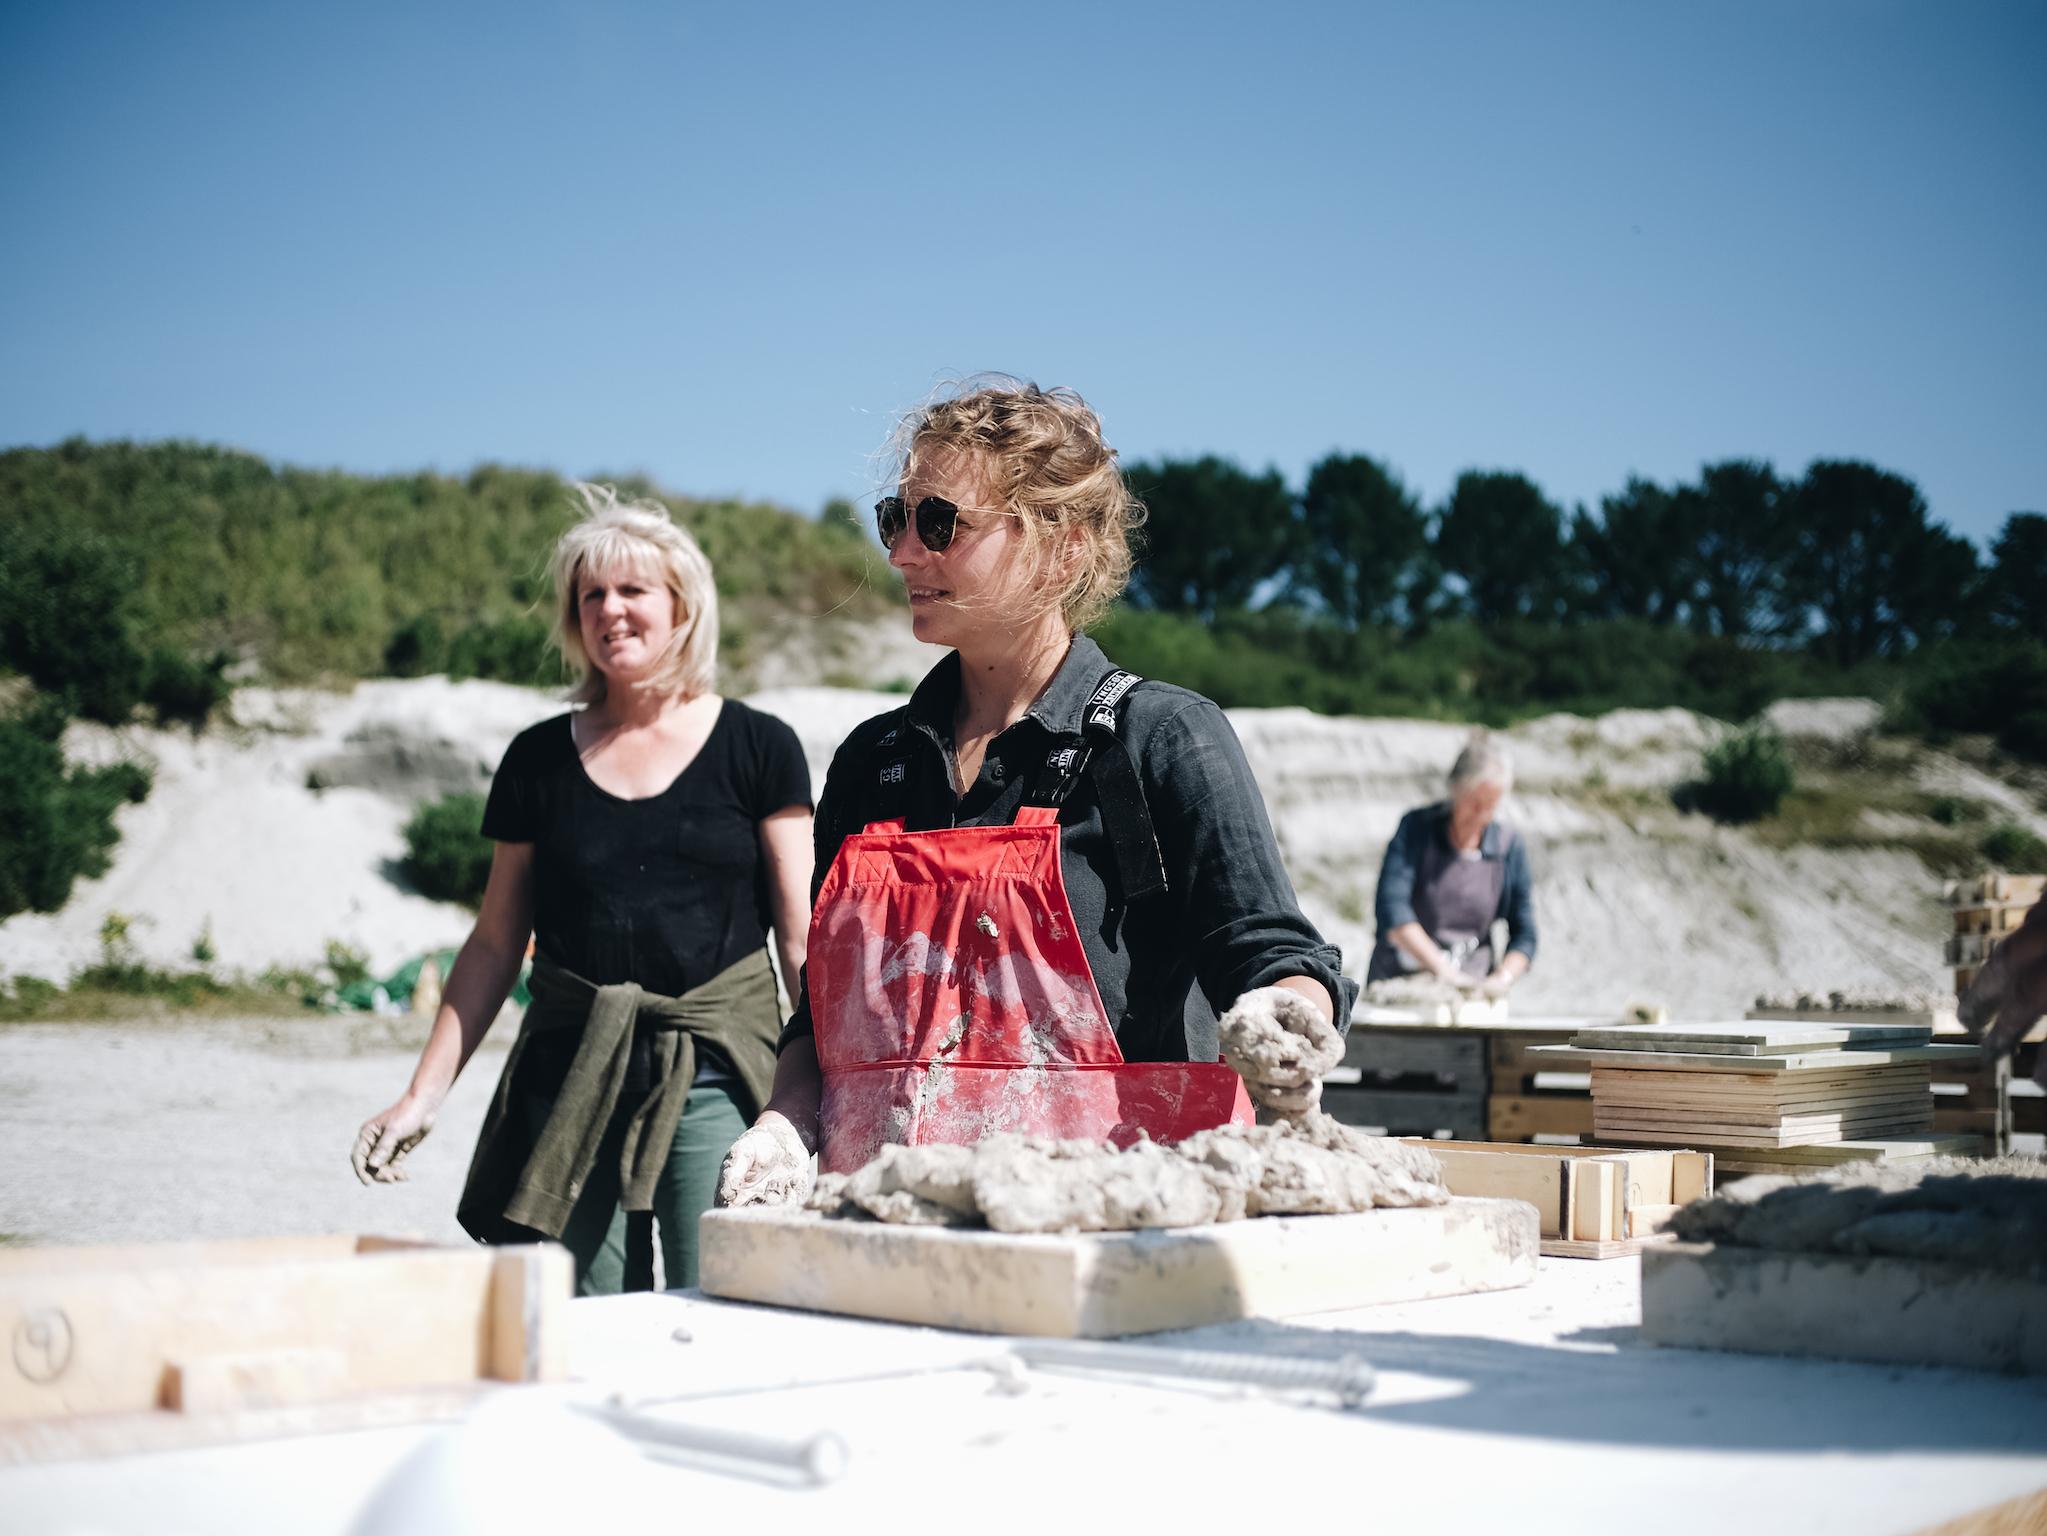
x: 2011, y: 989
x: 1497, y: 985
x: 384, y: 1141
x: 768, y: 1165
x: 1280, y: 1044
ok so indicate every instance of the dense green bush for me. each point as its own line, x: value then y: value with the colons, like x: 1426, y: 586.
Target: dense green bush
x: 1746, y: 777
x: 2014, y: 848
x: 447, y: 857
x: 56, y: 822
x: 1992, y: 685
x: 66, y: 618
x: 316, y: 573
x: 182, y: 690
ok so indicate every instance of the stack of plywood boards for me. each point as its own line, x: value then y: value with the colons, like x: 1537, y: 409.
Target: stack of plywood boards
x: 1760, y: 1085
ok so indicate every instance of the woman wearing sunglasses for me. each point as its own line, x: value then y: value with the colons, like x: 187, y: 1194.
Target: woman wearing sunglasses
x: 1042, y: 879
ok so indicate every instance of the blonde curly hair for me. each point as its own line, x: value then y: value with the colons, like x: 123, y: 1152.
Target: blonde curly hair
x: 1045, y: 459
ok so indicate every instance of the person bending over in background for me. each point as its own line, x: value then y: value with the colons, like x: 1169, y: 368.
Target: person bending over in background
x: 1042, y: 878
x: 1451, y: 870
x: 647, y: 843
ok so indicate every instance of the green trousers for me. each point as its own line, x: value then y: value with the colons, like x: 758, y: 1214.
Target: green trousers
x: 688, y: 1186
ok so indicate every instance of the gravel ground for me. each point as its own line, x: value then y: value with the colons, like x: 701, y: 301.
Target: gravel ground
x: 220, y: 1128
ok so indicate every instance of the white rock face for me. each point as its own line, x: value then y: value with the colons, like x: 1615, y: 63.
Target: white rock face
x: 1635, y: 902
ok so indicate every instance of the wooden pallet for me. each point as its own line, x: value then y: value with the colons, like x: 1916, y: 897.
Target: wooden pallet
x: 153, y: 1345
x: 1994, y: 889
x: 2000, y: 917
x: 1457, y: 1114
x: 1591, y: 1203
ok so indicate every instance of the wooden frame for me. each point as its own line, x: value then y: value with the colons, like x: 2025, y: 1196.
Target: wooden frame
x: 1590, y: 1202
x: 121, y: 1336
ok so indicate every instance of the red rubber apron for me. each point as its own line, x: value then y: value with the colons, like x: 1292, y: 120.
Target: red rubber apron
x: 952, y: 999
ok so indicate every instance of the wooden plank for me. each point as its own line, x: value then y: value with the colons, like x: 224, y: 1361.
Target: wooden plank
x: 1477, y: 1172
x: 1817, y: 1061
x: 1887, y: 1149
x: 1653, y: 1114
x: 1691, y: 1176
x: 233, y: 1383
x: 1622, y: 1248
x: 1106, y: 1284
x: 1513, y: 1117
x: 1751, y: 1039
x: 99, y: 1339
x: 1761, y: 1082
x: 1941, y: 1021
x: 1721, y: 1140
x: 214, y: 1253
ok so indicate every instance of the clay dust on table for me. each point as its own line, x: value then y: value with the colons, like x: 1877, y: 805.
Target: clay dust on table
x: 1981, y: 1214
x: 1307, y: 1165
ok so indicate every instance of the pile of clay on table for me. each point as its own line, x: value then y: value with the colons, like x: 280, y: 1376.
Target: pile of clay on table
x: 1853, y: 1000
x: 1309, y: 1164
x: 1986, y: 1214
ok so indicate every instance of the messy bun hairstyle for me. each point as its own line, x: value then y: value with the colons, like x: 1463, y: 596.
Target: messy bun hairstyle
x: 1047, y: 464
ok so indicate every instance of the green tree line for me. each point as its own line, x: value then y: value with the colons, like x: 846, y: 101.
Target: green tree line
x: 1349, y: 593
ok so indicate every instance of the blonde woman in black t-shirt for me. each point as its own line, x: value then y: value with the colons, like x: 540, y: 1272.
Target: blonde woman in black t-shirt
x: 648, y: 844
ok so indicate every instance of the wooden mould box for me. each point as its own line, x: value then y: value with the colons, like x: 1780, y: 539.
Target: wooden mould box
x: 135, y: 1347
x: 1590, y: 1202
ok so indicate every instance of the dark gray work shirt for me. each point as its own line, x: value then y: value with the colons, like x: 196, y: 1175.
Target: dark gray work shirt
x: 1167, y: 964
x: 1394, y: 903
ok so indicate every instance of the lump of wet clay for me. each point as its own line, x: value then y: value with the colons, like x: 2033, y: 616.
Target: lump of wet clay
x: 1989, y: 1214
x: 930, y: 1186
x: 1026, y: 1184
x: 1307, y: 1165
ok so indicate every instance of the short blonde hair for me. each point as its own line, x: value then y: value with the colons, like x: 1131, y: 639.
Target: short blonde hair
x: 1049, y: 465
x: 615, y: 535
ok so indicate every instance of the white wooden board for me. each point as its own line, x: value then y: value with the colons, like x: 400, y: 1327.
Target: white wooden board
x: 1105, y: 1284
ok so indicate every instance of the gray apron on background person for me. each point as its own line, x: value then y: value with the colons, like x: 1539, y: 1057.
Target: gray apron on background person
x: 1455, y: 901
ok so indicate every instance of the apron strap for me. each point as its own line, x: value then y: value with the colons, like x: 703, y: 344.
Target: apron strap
x: 1098, y: 755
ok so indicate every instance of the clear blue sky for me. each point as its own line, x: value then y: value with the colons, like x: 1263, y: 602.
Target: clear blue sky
x: 722, y: 243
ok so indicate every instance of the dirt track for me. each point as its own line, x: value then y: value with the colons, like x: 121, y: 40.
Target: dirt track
x: 116, y: 1132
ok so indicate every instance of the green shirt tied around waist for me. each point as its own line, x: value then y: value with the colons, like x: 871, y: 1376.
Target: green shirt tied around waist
x: 527, y: 1174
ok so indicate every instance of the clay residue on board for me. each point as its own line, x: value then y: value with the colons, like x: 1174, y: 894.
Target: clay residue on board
x: 1989, y: 1214
x: 1033, y: 1184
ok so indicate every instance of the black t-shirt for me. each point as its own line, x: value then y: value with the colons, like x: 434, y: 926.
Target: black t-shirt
x: 667, y: 891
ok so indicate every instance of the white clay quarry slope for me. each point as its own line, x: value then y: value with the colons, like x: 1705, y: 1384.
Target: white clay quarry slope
x: 1646, y: 905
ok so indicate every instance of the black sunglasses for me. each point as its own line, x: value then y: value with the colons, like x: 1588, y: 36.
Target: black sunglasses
x: 937, y: 519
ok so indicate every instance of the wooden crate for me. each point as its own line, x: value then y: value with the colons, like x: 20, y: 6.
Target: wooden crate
x: 1594, y: 1203
x: 1968, y: 951
x: 133, y: 1347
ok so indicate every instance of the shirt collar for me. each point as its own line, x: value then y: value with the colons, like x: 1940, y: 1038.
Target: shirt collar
x: 1491, y: 842
x: 1058, y: 708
